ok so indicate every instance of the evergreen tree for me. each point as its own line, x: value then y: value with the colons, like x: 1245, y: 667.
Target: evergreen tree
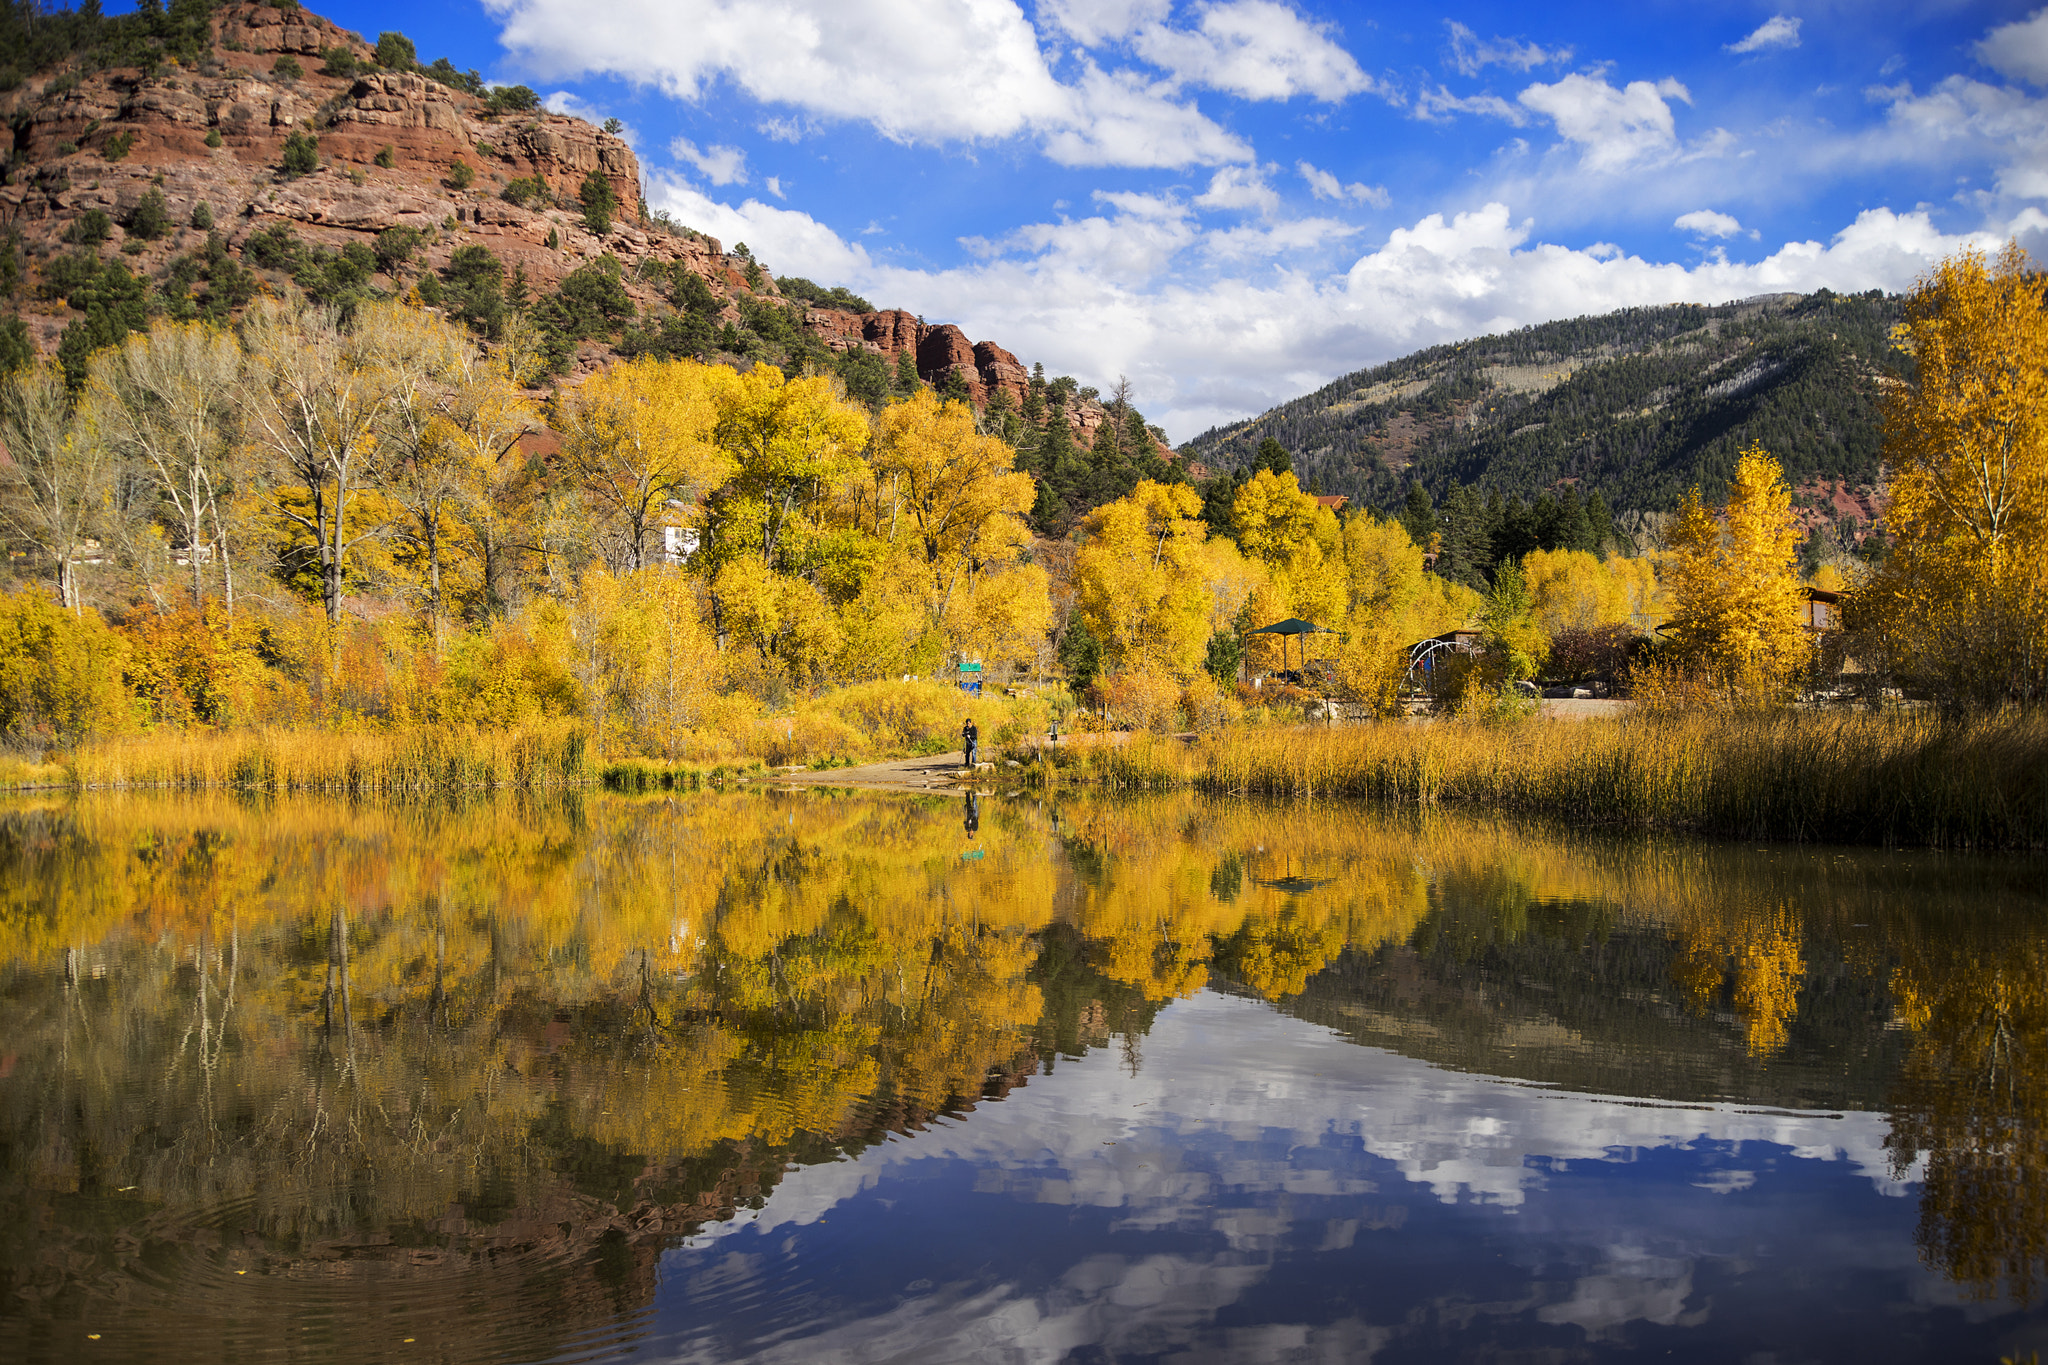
x: 1418, y: 515
x: 1467, y: 549
x: 1602, y: 522
x: 1080, y: 654
x: 1219, y: 501
x: 1272, y: 455
x: 906, y: 374
x: 1514, y: 531
x: 1575, y: 528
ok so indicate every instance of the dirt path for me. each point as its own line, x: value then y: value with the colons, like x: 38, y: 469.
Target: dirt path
x: 935, y: 772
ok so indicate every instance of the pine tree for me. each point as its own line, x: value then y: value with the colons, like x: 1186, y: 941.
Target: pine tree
x: 1466, y: 548
x: 1271, y: 455
x: 1418, y: 514
x: 907, y: 380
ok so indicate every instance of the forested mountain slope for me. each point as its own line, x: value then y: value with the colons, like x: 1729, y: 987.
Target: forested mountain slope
x: 1636, y: 405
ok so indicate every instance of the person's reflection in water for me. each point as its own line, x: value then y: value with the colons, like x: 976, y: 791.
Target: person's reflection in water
x: 972, y: 824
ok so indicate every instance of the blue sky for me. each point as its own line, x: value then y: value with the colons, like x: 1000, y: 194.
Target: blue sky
x: 1235, y: 201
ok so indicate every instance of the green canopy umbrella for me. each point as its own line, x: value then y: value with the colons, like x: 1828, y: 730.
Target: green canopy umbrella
x: 1293, y: 625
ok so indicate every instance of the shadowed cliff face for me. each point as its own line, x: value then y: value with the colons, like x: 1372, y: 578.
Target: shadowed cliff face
x: 270, y: 1070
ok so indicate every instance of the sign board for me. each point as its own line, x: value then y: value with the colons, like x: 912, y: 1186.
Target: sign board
x: 970, y: 668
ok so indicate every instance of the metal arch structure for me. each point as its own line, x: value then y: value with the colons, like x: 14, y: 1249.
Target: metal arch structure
x: 1422, y: 654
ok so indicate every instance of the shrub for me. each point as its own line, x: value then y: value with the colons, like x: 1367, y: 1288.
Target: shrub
x: 150, y: 218
x: 60, y: 674
x: 202, y: 216
x: 118, y: 146
x: 797, y: 287
x: 1142, y: 698
x: 387, y: 157
x: 395, y: 246
x: 287, y: 69
x: 276, y: 247
x: 444, y: 71
x: 395, y: 52
x: 301, y: 154
x: 460, y: 176
x: 339, y: 61
x: 90, y: 228
x: 525, y: 190
x: 599, y: 203
x: 516, y: 99
x: 213, y: 137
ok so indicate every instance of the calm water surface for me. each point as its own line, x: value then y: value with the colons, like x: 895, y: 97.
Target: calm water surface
x: 807, y: 1077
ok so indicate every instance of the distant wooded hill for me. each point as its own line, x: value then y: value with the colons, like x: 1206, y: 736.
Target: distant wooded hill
x: 1636, y: 405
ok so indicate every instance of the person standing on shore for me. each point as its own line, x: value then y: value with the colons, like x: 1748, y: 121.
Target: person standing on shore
x: 970, y: 737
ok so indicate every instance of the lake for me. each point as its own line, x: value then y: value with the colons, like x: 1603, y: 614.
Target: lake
x: 818, y: 1076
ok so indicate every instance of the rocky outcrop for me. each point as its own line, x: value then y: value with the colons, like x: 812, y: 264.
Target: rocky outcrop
x: 389, y: 147
x: 938, y: 351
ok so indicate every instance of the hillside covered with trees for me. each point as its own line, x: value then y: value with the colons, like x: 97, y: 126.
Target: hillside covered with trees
x: 1636, y: 406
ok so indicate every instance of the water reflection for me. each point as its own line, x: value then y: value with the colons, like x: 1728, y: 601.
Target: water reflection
x: 709, y: 1078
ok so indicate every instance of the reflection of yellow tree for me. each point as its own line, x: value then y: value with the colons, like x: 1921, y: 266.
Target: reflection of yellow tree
x: 1768, y: 966
x: 1972, y: 1102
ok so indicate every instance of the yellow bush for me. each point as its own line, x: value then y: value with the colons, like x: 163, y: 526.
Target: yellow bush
x: 1143, y: 698
x: 1207, y: 706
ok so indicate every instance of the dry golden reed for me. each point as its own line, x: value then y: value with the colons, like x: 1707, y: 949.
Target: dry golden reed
x: 417, y: 759
x: 1919, y: 779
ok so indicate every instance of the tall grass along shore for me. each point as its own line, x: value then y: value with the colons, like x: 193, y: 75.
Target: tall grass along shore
x: 1895, y: 779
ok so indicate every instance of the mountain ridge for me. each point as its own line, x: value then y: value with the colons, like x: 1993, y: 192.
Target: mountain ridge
x: 1637, y: 404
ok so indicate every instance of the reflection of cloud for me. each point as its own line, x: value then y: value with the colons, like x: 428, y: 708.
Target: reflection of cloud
x: 1631, y: 1286
x: 1233, y: 1137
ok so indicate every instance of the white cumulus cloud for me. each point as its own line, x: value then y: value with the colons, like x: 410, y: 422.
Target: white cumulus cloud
x: 1239, y: 187
x: 1776, y: 31
x: 1324, y: 185
x: 1094, y: 22
x: 1469, y: 52
x: 719, y: 165
x: 921, y: 73
x: 2019, y: 49
x: 1257, y: 49
x: 1215, y: 325
x: 1709, y: 223
x: 1615, y: 127
x: 1432, y: 105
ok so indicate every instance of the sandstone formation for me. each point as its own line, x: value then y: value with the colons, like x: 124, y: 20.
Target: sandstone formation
x: 389, y: 144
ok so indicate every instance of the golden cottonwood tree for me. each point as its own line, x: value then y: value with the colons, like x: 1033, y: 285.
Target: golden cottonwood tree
x: 1138, y: 577
x: 315, y: 394
x: 1297, y: 539
x: 1962, y: 601
x: 637, y: 439
x: 422, y: 472
x: 1737, y: 603
x: 164, y: 400
x: 53, y: 485
x: 954, y: 499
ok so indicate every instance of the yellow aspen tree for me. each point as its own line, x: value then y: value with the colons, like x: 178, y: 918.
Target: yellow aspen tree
x: 953, y: 498
x: 1963, y: 598
x: 422, y: 471
x: 1136, y: 582
x: 164, y: 401
x: 315, y: 394
x: 1297, y: 539
x: 638, y: 440
x: 1737, y: 603
x: 1573, y: 589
